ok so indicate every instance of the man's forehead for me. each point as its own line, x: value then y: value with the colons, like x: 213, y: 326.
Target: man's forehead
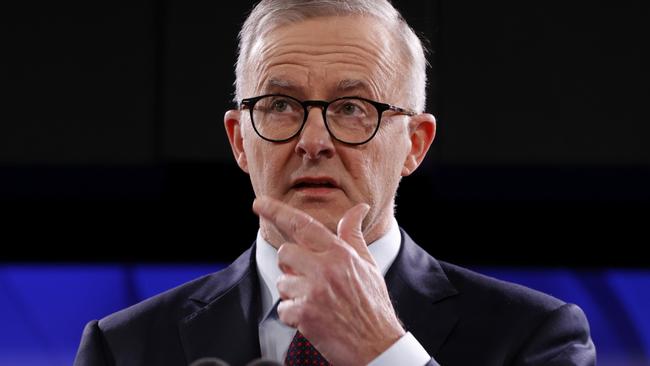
x: 338, y: 61
x: 349, y: 26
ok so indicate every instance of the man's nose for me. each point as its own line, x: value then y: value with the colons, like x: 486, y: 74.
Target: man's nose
x: 315, y: 141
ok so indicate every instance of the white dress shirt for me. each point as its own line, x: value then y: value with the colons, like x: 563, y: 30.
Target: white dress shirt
x: 276, y: 336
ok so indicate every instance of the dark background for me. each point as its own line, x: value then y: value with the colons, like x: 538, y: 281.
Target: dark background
x: 112, y: 146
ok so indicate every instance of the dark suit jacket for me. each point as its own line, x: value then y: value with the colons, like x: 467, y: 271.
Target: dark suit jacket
x: 459, y: 316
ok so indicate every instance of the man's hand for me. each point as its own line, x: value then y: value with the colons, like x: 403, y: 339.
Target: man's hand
x: 331, y: 288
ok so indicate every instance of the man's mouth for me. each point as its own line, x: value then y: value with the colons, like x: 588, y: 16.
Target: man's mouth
x: 315, y: 184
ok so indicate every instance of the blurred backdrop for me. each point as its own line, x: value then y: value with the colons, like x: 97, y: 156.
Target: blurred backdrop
x: 117, y: 181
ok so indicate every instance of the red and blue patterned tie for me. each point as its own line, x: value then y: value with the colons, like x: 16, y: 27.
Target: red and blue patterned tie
x: 302, y: 352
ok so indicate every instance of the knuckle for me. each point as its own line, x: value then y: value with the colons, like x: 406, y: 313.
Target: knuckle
x: 296, y: 223
x: 289, y: 312
x: 282, y: 314
x: 301, y: 224
x: 281, y: 285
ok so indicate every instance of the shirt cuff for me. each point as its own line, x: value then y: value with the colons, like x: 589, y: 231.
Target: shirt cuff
x: 406, y: 351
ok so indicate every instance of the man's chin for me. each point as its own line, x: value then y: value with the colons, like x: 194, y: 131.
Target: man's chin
x: 326, y: 210
x: 329, y: 218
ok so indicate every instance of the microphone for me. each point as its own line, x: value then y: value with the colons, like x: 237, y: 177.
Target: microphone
x: 209, y: 361
x: 264, y: 362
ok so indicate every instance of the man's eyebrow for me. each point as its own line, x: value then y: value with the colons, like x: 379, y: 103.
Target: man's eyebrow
x: 279, y: 83
x: 348, y: 85
x: 282, y: 85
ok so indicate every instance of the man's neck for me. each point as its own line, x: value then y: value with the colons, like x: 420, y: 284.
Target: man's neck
x: 371, y: 231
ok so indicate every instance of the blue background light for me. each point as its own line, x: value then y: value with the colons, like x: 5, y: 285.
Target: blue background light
x: 43, y: 308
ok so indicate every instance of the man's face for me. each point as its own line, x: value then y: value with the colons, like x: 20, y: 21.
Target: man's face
x: 325, y: 58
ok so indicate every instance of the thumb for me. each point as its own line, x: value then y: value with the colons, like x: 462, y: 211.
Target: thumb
x: 350, y: 231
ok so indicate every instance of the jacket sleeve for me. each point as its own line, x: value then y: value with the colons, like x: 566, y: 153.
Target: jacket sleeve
x: 561, y: 339
x: 92, y: 349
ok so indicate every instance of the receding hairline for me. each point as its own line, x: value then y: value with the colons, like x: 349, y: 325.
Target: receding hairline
x: 270, y: 15
x: 384, y: 31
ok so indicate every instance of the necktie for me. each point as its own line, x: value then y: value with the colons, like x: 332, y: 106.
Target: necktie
x: 302, y: 352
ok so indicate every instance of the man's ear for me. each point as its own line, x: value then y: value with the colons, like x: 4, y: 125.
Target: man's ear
x: 422, y: 131
x: 232, y: 122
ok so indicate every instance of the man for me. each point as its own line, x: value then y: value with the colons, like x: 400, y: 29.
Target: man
x: 331, y: 95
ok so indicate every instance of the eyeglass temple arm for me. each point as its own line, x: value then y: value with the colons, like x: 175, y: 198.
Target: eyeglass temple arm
x: 407, y: 112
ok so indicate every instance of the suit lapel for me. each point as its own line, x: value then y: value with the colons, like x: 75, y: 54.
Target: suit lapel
x: 225, y: 324
x: 422, y: 295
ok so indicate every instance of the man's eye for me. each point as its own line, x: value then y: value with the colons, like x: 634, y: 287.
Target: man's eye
x: 351, y: 109
x: 279, y: 106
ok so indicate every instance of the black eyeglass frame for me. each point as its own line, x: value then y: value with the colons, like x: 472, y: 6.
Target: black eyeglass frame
x: 249, y: 103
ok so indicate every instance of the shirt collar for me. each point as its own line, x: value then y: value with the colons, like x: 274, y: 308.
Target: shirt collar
x: 384, y: 251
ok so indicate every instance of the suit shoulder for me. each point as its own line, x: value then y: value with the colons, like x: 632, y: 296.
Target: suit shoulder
x: 522, y: 323
x: 125, y: 337
x: 177, y: 303
x: 489, y: 290
x: 172, y: 302
x: 168, y: 308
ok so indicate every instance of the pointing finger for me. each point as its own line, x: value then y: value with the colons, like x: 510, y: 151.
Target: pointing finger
x: 296, y: 225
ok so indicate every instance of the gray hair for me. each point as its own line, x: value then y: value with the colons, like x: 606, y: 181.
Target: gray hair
x: 272, y: 14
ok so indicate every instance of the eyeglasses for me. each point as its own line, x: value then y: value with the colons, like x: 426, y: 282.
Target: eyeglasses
x: 351, y: 120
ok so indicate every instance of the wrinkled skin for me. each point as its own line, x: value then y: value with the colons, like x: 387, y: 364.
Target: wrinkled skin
x: 331, y: 290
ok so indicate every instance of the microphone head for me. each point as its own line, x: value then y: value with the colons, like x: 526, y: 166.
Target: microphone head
x: 209, y: 361
x: 264, y: 362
